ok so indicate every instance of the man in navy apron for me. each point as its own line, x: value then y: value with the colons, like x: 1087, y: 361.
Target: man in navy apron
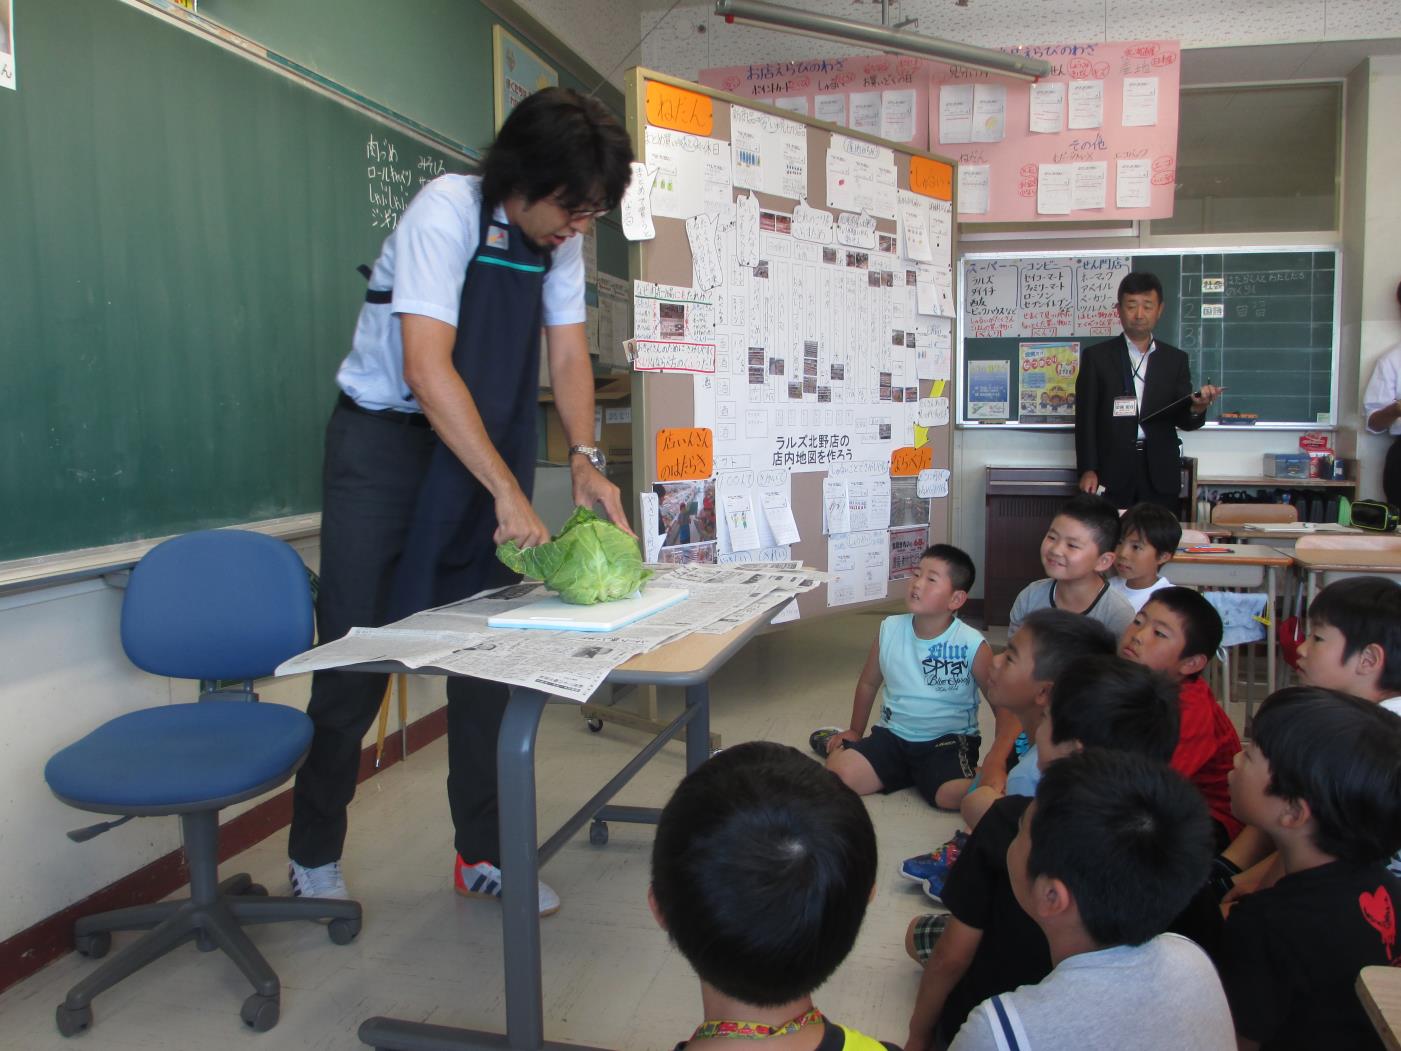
x: 430, y: 451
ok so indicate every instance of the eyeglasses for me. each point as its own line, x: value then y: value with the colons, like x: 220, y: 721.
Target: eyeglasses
x: 580, y: 214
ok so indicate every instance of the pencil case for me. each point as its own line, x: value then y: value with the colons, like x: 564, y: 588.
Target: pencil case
x: 1375, y: 516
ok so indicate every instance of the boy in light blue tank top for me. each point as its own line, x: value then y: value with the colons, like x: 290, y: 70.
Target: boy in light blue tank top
x: 925, y: 667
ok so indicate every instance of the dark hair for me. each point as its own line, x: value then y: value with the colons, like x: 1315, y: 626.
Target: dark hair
x: 1108, y: 702
x: 762, y: 867
x: 559, y: 140
x: 1128, y: 836
x: 1097, y: 515
x: 1365, y: 610
x: 1139, y: 282
x: 1201, y: 623
x: 1342, y: 756
x: 1158, y: 527
x: 1059, y: 637
x: 962, y: 572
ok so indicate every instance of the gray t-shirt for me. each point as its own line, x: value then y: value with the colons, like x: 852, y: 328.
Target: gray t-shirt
x: 1163, y: 995
x: 1110, y: 609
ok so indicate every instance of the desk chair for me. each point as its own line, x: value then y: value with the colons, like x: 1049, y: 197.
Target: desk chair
x: 215, y: 606
x: 1240, y: 514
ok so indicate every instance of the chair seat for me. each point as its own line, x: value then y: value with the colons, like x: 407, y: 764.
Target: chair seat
x: 181, y: 755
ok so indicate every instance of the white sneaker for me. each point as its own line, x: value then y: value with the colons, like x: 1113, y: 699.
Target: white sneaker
x: 483, y: 880
x: 324, y: 881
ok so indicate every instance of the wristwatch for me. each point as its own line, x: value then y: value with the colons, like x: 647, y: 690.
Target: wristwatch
x: 593, y: 452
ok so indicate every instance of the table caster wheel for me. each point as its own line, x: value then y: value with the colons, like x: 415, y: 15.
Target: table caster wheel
x: 259, y: 1012
x: 94, y: 946
x: 594, y: 725
x: 343, y: 931
x: 598, y: 833
x: 72, y: 1021
x: 255, y: 890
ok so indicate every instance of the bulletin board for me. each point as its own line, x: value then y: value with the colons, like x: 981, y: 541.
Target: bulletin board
x: 797, y: 365
x: 1262, y: 322
x: 1095, y: 139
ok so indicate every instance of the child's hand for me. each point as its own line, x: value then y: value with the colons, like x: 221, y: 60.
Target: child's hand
x: 993, y: 778
x: 835, y: 741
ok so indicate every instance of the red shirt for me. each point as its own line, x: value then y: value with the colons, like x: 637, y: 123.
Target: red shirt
x: 1206, y: 748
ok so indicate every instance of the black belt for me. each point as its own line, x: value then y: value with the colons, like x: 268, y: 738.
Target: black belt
x: 411, y: 419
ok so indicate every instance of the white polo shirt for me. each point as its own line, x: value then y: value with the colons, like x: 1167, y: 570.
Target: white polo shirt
x: 1383, y: 388
x: 425, y: 262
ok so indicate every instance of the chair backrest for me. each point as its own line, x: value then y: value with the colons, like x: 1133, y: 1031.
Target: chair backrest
x: 1239, y: 514
x: 1333, y: 542
x: 219, y: 604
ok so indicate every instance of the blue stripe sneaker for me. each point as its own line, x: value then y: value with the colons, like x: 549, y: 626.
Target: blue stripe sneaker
x: 483, y: 880
x: 936, y: 864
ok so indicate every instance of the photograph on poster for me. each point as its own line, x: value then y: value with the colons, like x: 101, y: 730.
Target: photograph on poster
x: 687, y: 553
x: 907, y: 508
x: 686, y: 512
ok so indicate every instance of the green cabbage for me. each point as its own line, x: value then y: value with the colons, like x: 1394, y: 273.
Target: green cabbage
x: 591, y: 560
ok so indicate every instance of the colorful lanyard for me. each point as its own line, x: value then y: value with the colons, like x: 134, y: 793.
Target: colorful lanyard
x: 727, y: 1030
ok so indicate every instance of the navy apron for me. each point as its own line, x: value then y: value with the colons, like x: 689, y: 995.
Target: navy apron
x: 449, y: 552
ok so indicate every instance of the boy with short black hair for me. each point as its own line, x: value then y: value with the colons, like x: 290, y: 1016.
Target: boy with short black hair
x: 1176, y: 633
x: 1148, y: 538
x: 926, y: 667
x: 1112, y: 848
x: 1321, y: 777
x: 762, y: 869
x: 1076, y: 552
x: 1353, y: 645
x: 987, y: 944
x: 1019, y: 684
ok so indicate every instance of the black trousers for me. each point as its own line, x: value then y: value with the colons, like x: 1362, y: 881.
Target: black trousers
x: 1141, y: 490
x: 371, y: 473
x: 1391, y: 473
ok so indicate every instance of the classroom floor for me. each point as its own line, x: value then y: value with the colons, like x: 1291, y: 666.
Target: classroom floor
x: 610, y: 978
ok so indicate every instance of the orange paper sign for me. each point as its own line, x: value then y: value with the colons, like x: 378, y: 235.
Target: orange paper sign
x: 907, y: 462
x: 679, y: 109
x: 685, y: 454
x: 931, y: 178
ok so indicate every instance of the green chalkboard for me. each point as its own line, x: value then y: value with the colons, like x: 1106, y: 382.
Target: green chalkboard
x: 178, y: 263
x: 1261, y: 323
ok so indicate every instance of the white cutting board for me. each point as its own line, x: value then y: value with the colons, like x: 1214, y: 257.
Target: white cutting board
x: 557, y: 615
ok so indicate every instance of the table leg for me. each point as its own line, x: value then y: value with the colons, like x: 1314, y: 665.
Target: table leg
x: 1270, y: 634
x: 698, y: 732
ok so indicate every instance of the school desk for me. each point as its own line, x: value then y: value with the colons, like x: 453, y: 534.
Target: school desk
x: 1313, y: 564
x: 1234, y: 566
x: 688, y: 662
x: 1379, y: 989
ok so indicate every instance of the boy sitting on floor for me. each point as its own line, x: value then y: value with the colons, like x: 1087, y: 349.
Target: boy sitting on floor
x: 1019, y: 683
x: 1112, y: 848
x: 1321, y: 777
x: 926, y: 667
x: 1149, y: 535
x: 761, y: 872
x: 986, y: 944
x: 1176, y: 632
x: 1353, y: 645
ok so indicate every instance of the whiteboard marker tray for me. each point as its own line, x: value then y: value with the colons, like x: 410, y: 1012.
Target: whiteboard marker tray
x: 555, y: 614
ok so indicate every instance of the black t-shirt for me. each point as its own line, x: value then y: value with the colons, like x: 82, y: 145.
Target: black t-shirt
x: 1290, y: 955
x: 833, y: 1039
x: 1013, y: 951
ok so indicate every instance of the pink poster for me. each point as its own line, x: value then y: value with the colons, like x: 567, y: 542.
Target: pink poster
x: 1097, y: 139
x: 885, y: 95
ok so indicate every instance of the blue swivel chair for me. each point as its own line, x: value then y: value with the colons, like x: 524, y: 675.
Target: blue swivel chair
x: 217, y: 606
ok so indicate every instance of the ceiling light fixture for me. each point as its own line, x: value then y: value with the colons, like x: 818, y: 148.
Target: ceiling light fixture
x: 878, y: 38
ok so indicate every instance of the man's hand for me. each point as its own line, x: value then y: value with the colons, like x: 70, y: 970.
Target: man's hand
x: 1089, y: 482
x: 516, y: 520
x: 835, y: 741
x: 1202, y: 399
x: 591, y: 487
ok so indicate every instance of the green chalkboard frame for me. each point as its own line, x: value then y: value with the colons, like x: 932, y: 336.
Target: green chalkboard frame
x: 1261, y: 378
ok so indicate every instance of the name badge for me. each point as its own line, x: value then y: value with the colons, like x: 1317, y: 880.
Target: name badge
x: 1124, y: 405
x: 498, y: 237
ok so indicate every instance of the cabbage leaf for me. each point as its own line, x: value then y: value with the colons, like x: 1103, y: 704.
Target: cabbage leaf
x: 591, y: 560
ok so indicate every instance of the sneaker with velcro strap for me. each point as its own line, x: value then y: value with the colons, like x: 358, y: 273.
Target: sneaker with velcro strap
x: 817, y: 740
x: 483, y: 880
x: 320, y: 881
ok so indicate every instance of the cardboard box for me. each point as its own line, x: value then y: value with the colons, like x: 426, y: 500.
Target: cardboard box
x: 1287, y: 465
x: 612, y: 423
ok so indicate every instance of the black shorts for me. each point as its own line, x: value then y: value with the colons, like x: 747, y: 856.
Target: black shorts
x: 925, y: 764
